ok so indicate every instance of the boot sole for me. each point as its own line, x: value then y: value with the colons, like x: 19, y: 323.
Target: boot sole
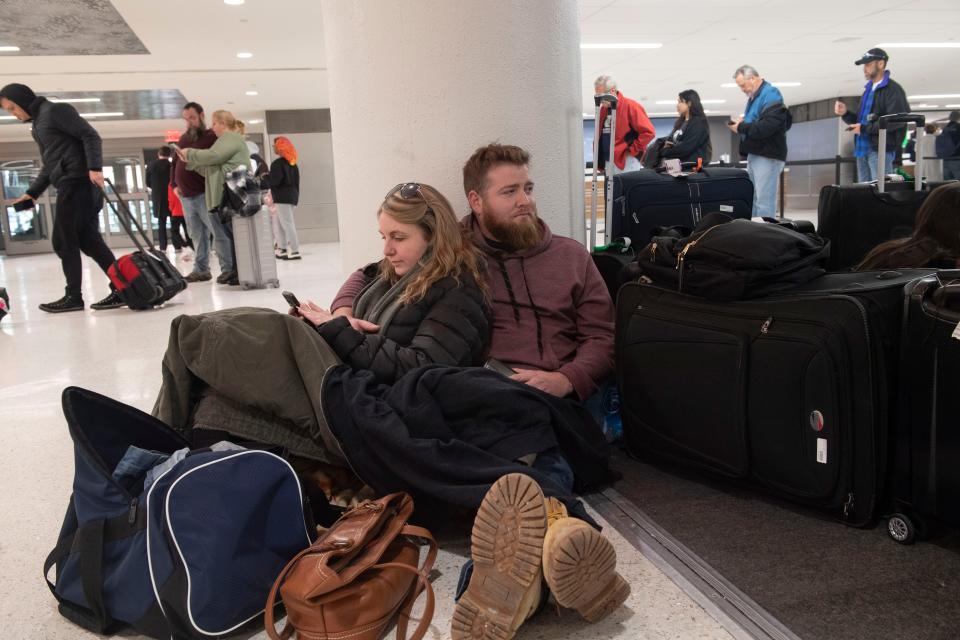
x: 581, y: 573
x: 507, y: 548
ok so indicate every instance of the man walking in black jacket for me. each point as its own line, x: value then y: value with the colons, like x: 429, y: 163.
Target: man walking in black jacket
x: 881, y: 96
x: 72, y: 159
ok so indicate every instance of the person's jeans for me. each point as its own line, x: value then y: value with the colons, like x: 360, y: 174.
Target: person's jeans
x: 951, y: 169
x: 632, y: 163
x: 223, y: 242
x: 200, y: 224
x: 287, y: 238
x: 867, y: 165
x: 765, y: 175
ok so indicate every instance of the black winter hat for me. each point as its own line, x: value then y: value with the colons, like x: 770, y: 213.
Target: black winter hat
x: 20, y: 94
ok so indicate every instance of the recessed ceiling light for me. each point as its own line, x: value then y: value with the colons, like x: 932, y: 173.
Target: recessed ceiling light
x: 621, y: 45
x: 74, y: 99
x: 256, y: 121
x: 924, y: 106
x: 934, y: 96
x: 920, y: 45
x: 951, y: 106
x: 244, y: 54
x: 102, y: 114
x: 9, y: 47
x: 8, y: 117
x: 234, y: 2
x: 253, y: 93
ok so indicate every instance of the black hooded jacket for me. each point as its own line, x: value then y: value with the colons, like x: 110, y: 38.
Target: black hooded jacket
x: 69, y: 147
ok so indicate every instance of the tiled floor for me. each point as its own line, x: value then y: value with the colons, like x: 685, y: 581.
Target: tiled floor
x: 118, y: 353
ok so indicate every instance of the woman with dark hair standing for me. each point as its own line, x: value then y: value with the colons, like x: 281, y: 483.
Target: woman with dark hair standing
x: 935, y: 242
x: 690, y: 138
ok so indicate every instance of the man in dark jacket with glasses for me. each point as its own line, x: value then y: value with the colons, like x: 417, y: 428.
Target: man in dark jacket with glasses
x: 72, y: 157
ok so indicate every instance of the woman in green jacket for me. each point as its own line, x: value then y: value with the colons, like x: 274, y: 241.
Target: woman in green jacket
x: 227, y: 153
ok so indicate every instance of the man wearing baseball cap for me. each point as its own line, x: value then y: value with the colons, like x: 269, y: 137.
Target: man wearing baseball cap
x: 881, y: 96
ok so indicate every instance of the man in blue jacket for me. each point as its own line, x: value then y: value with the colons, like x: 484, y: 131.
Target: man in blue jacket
x: 881, y: 96
x: 763, y: 137
x: 72, y: 157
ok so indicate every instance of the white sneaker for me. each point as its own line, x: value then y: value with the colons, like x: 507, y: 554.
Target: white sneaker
x: 186, y: 255
x: 280, y: 254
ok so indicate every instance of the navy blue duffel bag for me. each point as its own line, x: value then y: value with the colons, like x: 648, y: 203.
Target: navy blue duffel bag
x: 173, y: 542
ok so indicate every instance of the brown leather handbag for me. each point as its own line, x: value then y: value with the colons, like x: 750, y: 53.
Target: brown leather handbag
x: 358, y: 577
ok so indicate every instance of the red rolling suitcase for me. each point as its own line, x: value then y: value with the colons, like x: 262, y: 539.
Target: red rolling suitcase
x: 926, y: 479
x: 145, y: 278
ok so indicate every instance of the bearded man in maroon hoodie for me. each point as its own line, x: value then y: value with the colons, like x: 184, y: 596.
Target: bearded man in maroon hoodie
x: 552, y: 316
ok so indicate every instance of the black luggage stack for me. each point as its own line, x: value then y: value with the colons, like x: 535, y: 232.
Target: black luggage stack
x: 145, y: 278
x: 792, y: 393
x: 646, y: 199
x: 926, y: 475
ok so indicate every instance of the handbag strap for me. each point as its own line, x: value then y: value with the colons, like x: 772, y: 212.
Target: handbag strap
x: 423, y: 583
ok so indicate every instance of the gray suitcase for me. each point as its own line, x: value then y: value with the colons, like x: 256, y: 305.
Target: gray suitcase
x: 256, y: 264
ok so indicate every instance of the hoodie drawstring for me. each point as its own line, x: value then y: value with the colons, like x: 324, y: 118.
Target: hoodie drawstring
x: 536, y: 312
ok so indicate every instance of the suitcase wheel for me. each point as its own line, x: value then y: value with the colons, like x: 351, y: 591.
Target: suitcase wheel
x: 901, y: 528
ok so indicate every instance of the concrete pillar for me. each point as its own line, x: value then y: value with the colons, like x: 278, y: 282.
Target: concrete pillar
x: 417, y: 85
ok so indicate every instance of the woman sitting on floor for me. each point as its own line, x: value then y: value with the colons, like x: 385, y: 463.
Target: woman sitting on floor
x: 935, y: 242
x: 258, y: 374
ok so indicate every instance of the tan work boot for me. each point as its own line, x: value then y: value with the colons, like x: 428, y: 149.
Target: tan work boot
x: 579, y: 565
x: 506, y: 547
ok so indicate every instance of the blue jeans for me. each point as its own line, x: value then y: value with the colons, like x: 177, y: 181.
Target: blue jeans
x: 951, y: 169
x: 867, y: 165
x: 765, y: 175
x: 200, y: 224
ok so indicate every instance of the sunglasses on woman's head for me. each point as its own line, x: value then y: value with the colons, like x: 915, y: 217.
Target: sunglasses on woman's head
x: 409, y: 191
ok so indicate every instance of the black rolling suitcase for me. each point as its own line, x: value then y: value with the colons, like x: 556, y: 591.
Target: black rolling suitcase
x: 789, y: 393
x: 856, y: 218
x: 927, y: 460
x: 145, y: 278
x: 646, y: 199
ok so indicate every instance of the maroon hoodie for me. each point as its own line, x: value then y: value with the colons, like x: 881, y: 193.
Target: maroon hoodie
x: 190, y: 182
x: 551, y: 308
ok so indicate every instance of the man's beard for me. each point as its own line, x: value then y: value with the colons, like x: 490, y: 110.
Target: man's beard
x: 194, y: 133
x: 517, y: 234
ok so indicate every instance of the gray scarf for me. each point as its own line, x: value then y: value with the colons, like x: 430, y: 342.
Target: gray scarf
x: 379, y: 301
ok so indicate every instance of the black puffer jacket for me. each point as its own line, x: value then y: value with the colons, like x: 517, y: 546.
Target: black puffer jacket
x: 69, y: 146
x: 450, y: 325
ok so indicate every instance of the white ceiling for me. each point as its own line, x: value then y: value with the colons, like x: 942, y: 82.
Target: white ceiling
x: 193, y: 46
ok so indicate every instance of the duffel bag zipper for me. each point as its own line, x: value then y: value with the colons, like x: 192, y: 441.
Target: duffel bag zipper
x: 683, y: 255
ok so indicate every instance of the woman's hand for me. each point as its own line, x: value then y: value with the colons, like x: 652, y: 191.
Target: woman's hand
x: 362, y: 326
x: 314, y: 314
x: 182, y: 154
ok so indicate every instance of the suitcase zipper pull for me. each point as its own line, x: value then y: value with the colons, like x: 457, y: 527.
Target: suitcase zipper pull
x: 132, y: 514
x: 848, y: 505
x: 766, y: 325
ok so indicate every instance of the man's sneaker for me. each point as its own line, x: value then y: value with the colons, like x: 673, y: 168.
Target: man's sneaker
x: 198, y: 276
x: 225, y: 276
x: 234, y: 280
x: 64, y: 304
x: 280, y: 254
x: 506, y: 548
x: 112, y: 301
x: 293, y: 255
x: 579, y: 565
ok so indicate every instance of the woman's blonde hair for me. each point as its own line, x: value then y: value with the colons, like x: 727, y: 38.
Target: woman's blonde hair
x: 450, y: 251
x: 227, y: 119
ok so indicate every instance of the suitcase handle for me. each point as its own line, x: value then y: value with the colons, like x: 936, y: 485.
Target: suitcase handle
x: 126, y: 218
x: 901, y: 118
x: 606, y: 97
